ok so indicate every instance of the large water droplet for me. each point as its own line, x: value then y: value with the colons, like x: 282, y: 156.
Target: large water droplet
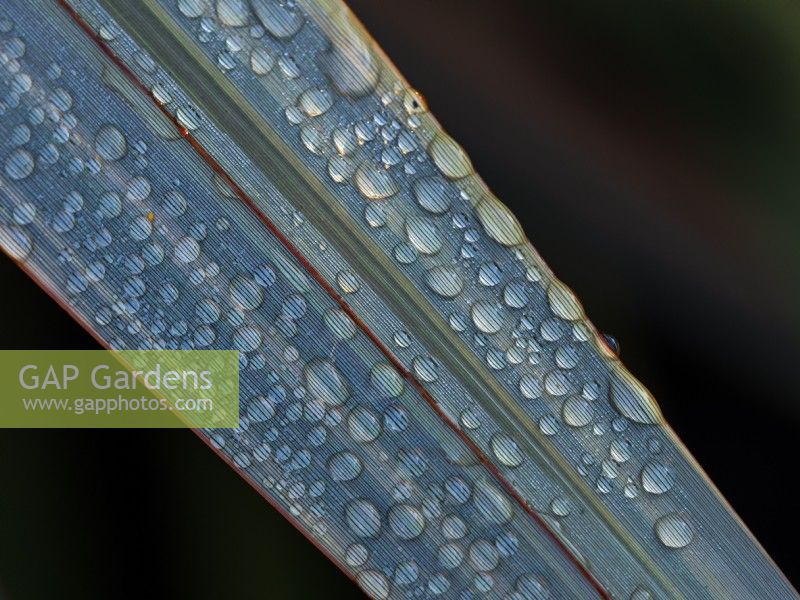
x: 233, y: 13
x: 375, y: 182
x: 632, y: 399
x: 374, y: 584
x: 19, y: 164
x: 325, y: 383
x: 363, y: 425
x: 281, y: 21
x: 245, y: 293
x: 499, y: 223
x: 363, y: 518
x: 445, y: 281
x: 315, y: 101
x: 432, y: 194
x: 449, y: 157
x: 657, y: 478
x: 423, y: 235
x: 506, y: 450
x: 110, y: 143
x: 487, y: 316
x: 577, y: 412
x: 674, y: 530
x: 385, y: 378
x: 344, y: 466
x: 187, y: 249
x: 563, y: 302
x: 406, y: 521
x: 261, y: 61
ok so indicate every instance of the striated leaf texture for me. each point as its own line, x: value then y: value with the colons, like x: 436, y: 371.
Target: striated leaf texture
x: 420, y: 395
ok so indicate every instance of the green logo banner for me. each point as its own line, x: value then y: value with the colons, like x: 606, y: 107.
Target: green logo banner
x: 128, y: 388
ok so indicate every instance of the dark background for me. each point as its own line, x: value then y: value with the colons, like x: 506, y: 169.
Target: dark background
x: 652, y: 151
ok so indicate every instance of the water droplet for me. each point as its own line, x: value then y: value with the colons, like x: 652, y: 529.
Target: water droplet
x: 374, y: 584
x: 245, y: 293
x: 110, y: 143
x: 432, y: 194
x: 24, y: 213
x: 491, y: 503
x: 192, y: 8
x: 348, y: 282
x: 449, y: 157
x: 445, y: 281
x: 632, y: 399
x: 349, y: 64
x: 374, y: 182
x: 423, y: 235
x: 315, y: 101
x: 247, y: 339
x: 340, y: 324
x: 363, y: 518
x: 577, y: 412
x: 363, y: 425
x: 674, y: 530
x: 233, y: 13
x: 506, y: 450
x: 532, y: 587
x: 19, y: 164
x: 385, y: 378
x: 325, y: 383
x: 261, y: 61
x: 344, y: 466
x: 499, y: 223
x: 187, y: 249
x: 279, y: 20
x: 483, y: 556
x: 406, y: 521
x: 487, y: 316
x: 657, y: 478
x: 563, y: 302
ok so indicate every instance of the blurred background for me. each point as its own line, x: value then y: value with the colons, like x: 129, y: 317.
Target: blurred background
x: 652, y: 152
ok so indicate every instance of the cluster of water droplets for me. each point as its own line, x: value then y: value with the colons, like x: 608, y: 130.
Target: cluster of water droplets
x: 422, y: 203
x: 137, y: 245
